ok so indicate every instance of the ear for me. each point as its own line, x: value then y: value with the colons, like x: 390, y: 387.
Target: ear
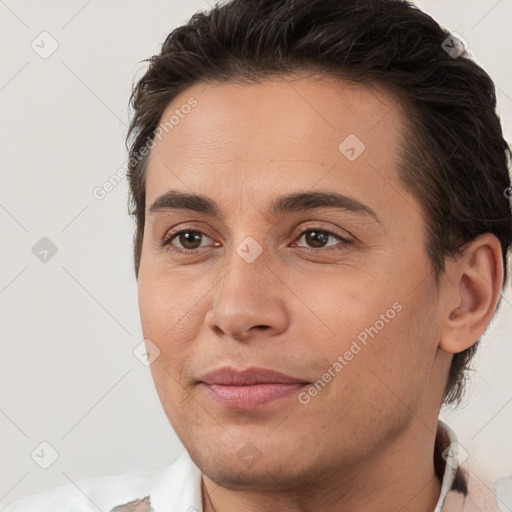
x: 473, y: 284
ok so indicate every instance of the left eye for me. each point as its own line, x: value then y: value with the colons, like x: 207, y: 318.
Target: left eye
x: 317, y: 238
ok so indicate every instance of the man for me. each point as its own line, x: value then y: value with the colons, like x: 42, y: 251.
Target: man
x: 320, y: 189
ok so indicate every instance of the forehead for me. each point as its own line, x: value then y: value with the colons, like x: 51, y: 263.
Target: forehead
x: 281, y: 132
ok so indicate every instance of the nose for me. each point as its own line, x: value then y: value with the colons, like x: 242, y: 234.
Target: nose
x: 248, y: 301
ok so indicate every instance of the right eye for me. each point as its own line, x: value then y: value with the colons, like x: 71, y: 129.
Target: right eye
x: 189, y: 240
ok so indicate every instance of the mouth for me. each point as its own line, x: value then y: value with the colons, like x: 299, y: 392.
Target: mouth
x: 248, y: 389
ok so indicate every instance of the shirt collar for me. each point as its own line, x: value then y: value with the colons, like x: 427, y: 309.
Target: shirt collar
x: 142, y: 505
x: 446, y: 465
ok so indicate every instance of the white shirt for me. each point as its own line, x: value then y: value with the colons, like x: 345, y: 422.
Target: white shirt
x: 177, y: 488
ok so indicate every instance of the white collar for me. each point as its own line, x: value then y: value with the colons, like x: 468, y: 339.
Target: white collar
x: 450, y: 454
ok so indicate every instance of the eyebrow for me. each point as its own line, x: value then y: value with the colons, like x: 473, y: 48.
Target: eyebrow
x: 299, y: 201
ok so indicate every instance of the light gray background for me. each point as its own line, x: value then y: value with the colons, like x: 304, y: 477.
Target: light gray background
x: 69, y: 326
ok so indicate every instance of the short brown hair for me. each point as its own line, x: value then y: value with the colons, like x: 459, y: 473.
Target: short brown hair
x: 456, y: 161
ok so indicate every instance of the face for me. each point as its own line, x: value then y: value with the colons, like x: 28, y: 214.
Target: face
x: 293, y: 305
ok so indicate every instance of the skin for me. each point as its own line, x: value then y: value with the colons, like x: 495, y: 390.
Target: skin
x: 365, y: 442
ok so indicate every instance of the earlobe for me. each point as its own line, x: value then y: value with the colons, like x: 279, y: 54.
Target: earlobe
x: 475, y: 282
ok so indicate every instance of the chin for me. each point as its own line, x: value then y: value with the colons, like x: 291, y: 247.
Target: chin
x: 247, y: 468
x: 261, y: 477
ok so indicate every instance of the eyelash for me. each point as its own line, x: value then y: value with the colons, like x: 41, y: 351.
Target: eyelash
x: 166, y: 242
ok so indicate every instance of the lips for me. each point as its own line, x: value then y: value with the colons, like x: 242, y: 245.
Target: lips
x: 251, y: 388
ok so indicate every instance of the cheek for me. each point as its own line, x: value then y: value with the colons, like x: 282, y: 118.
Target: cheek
x: 381, y: 330
x: 399, y: 354
x: 171, y: 321
x: 168, y: 308
x: 346, y: 303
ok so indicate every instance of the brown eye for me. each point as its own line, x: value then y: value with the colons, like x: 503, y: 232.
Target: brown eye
x: 190, y: 239
x: 186, y: 240
x: 318, y: 238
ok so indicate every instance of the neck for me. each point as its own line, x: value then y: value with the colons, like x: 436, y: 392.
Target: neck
x: 400, y: 476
